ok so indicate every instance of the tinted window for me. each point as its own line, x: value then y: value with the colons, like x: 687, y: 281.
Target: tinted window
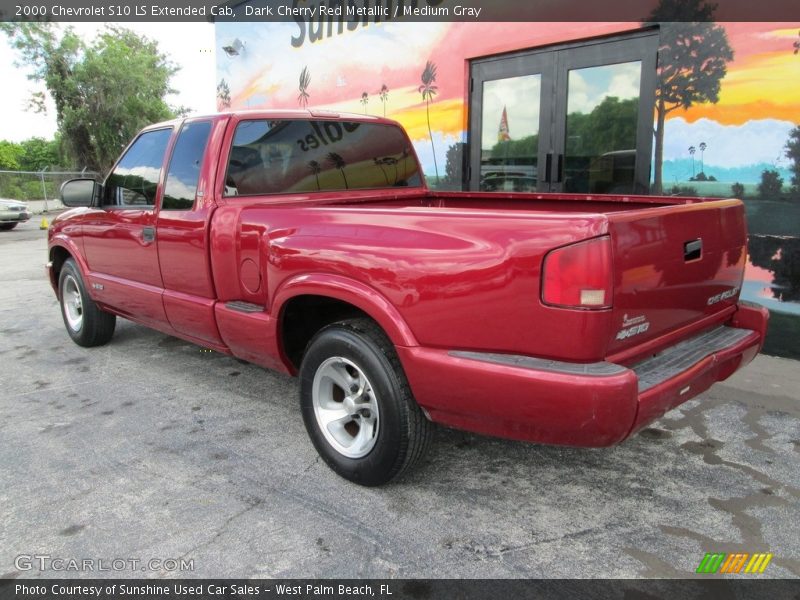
x: 135, y: 179
x: 272, y: 157
x: 184, y: 166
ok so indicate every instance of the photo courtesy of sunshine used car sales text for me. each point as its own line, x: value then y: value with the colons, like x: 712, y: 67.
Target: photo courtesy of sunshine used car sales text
x: 199, y: 589
x: 399, y: 299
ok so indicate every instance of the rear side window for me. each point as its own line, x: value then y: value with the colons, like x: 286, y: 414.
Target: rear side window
x: 184, y: 166
x: 134, y: 181
x: 274, y: 157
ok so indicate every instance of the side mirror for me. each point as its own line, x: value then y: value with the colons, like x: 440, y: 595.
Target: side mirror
x: 80, y: 192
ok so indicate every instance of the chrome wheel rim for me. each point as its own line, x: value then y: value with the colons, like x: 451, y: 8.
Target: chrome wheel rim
x: 345, y: 407
x: 72, y: 302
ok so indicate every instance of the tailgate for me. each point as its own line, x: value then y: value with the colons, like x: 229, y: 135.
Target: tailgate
x: 673, y: 266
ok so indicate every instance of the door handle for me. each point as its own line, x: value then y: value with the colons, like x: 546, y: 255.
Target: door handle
x: 148, y: 234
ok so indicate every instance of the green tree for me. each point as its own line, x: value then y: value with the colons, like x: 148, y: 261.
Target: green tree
x: 453, y: 167
x: 737, y: 190
x: 38, y: 153
x: 10, y: 155
x: 771, y: 185
x: 526, y: 147
x: 428, y: 91
x: 104, y: 92
x: 610, y: 126
x: 693, y: 58
x: 793, y: 154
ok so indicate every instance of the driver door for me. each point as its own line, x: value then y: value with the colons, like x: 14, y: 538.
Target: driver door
x: 119, y: 236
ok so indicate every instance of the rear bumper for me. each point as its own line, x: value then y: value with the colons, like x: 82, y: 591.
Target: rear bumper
x: 554, y: 402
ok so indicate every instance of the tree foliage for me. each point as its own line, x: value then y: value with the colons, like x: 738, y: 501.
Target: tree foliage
x: 10, y: 155
x: 103, y: 92
x: 771, y: 185
x: 793, y: 154
x: 610, y: 126
x: 693, y: 57
x: 33, y: 154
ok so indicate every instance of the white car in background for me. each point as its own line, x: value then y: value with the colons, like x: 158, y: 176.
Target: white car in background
x: 12, y: 212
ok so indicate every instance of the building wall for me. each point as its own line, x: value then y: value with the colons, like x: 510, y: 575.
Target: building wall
x: 744, y: 133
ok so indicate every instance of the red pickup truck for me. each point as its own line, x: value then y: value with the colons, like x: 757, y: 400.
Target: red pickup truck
x: 307, y: 242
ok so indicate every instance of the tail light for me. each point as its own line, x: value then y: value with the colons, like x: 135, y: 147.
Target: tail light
x: 579, y: 275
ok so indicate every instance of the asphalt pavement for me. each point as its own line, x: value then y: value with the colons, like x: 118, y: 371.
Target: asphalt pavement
x: 163, y: 456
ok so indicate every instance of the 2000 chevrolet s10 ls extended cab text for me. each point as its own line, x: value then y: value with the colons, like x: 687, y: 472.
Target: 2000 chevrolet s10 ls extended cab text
x: 307, y: 242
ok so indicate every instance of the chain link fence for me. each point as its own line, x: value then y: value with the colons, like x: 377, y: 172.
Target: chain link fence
x: 38, y: 186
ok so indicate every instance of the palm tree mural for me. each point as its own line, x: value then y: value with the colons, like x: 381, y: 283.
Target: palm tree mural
x: 223, y: 95
x: 365, y: 100
x: 702, y: 151
x: 428, y: 91
x: 692, y: 150
x: 305, y: 81
x: 316, y: 169
x: 379, y: 162
x: 384, y: 93
x: 390, y: 160
x: 338, y: 162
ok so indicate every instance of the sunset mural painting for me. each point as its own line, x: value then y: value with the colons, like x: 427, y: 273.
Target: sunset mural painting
x: 744, y: 119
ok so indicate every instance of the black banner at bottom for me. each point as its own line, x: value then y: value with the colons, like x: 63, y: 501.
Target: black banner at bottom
x: 397, y: 589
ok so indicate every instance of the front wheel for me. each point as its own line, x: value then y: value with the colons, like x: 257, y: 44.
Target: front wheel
x: 8, y: 226
x: 357, y: 405
x: 86, y: 324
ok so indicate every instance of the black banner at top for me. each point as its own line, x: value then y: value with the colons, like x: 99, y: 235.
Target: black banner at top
x: 356, y: 11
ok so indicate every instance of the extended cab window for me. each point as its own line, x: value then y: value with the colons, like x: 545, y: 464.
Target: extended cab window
x: 184, y: 166
x: 273, y: 157
x: 134, y: 181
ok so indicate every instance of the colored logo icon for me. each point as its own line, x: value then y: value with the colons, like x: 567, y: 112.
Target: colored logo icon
x: 721, y: 562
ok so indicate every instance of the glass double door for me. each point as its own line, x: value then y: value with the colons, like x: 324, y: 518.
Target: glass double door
x: 575, y: 119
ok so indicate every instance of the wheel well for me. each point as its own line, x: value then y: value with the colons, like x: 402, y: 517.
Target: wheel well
x: 58, y: 255
x: 303, y: 316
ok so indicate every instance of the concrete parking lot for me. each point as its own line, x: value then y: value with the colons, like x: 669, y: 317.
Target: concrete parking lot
x: 150, y: 448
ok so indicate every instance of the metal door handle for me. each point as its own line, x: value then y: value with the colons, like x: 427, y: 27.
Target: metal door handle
x: 148, y: 234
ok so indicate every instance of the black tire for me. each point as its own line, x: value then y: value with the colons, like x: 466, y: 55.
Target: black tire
x: 86, y: 324
x: 8, y: 226
x: 403, y: 432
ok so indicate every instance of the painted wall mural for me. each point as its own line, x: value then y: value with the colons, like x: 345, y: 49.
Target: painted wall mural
x: 730, y: 140
x: 386, y: 68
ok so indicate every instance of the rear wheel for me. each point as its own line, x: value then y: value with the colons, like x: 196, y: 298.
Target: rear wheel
x: 86, y: 324
x: 357, y: 405
x: 8, y: 226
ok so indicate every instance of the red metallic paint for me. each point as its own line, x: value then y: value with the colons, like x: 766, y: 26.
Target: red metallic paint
x: 439, y: 271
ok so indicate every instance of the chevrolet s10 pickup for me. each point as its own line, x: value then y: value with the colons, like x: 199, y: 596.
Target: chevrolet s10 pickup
x: 307, y: 242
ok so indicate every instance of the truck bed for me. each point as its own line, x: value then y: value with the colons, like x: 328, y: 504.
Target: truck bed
x: 444, y: 257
